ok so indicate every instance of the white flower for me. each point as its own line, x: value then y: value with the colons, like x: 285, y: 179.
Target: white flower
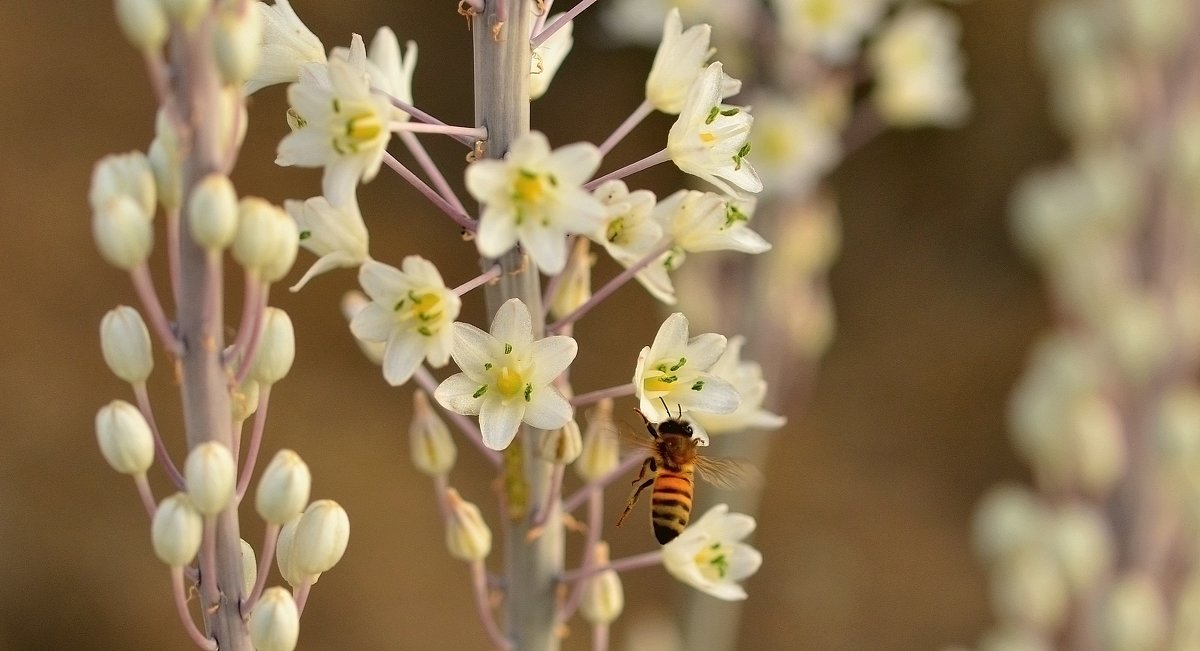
x: 287, y: 44
x: 705, y: 221
x: 387, y: 69
x: 507, y: 376
x: 797, y: 140
x: 629, y: 232
x: 830, y: 29
x: 337, y: 235
x: 711, y: 140
x: 341, y: 125
x: 676, y: 370
x: 411, y: 310
x: 678, y: 62
x: 919, y: 70
x: 747, y: 377
x: 709, y: 556
x: 548, y: 56
x: 535, y: 196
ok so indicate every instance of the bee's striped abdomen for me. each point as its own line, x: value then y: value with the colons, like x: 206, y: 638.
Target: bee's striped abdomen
x: 671, y: 503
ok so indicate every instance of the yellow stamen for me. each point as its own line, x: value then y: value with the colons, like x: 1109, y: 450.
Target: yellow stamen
x: 509, y: 382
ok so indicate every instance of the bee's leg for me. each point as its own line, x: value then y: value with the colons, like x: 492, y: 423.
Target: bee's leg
x: 649, y: 426
x: 648, y: 463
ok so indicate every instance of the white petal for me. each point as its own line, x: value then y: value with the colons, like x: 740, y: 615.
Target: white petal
x: 457, y: 393
x: 473, y: 349
x: 513, y: 325
x: 328, y: 262
x: 499, y: 421
x: 341, y: 179
x: 402, y: 356
x: 704, y: 350
x: 382, y: 282
x: 373, y: 323
x: 547, y: 247
x: 717, y: 396
x: 672, y: 338
x: 497, y: 232
x: 547, y: 409
x: 303, y: 148
x: 552, y: 356
x: 575, y: 163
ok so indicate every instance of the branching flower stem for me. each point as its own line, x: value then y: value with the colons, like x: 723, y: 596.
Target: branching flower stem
x: 144, y: 492
x: 592, y: 397
x: 595, y: 525
x: 474, y: 133
x: 429, y: 193
x: 418, y: 114
x: 632, y: 168
x: 483, y: 606
x: 557, y: 24
x: 185, y: 615
x: 256, y: 434
x: 144, y: 286
x: 431, y: 169
x: 160, y: 449
x: 611, y: 286
x: 577, y: 498
x: 270, y: 537
x: 637, y: 561
x: 640, y: 113
x: 482, y: 279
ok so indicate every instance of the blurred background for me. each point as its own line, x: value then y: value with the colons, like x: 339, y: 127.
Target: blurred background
x: 870, y: 487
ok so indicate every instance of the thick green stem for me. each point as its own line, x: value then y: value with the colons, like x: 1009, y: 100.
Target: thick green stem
x: 502, y: 54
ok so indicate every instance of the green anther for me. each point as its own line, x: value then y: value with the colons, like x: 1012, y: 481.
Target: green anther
x: 487, y: 366
x: 507, y: 348
x: 722, y: 565
x: 661, y: 368
x: 425, y: 331
x: 552, y: 179
x: 712, y: 114
x: 429, y: 316
x: 745, y: 150
x: 479, y: 392
x: 399, y: 304
x: 733, y: 215
x: 337, y: 106
x: 412, y: 296
x: 679, y: 365
x: 528, y: 391
x: 699, y: 385
x: 304, y: 235
x: 730, y: 112
x: 668, y: 379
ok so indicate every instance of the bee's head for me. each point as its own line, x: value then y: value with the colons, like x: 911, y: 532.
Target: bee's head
x: 675, y: 426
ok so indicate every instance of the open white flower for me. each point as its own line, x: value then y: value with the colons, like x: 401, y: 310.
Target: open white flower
x: 337, y: 235
x: 711, y: 140
x: 629, y: 232
x: 387, y: 69
x: 412, y: 310
x: 506, y: 376
x: 548, y: 56
x: 919, y: 70
x: 678, y: 62
x: 710, y: 556
x: 797, y: 140
x: 339, y: 124
x: 675, y: 370
x: 747, y: 377
x: 705, y: 221
x: 535, y: 196
x: 287, y: 45
x: 830, y: 29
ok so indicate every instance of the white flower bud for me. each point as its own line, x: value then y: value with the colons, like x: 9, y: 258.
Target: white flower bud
x: 167, y: 177
x: 185, y: 11
x: 283, y: 554
x: 575, y: 284
x: 237, y: 42
x: 123, y: 233
x: 320, y: 538
x: 266, y: 239
x: 212, y: 212
x: 1134, y: 616
x: 276, y: 348
x: 599, y: 455
x: 467, y: 534
x: 275, y: 622
x: 562, y: 445
x: 176, y: 530
x: 1135, y: 330
x: 244, y: 400
x: 429, y: 440
x: 249, y: 567
x: 211, y: 474
x: 1099, y: 444
x: 123, y: 175
x: 125, y: 344
x: 283, y: 489
x: 287, y: 239
x: 1007, y: 520
x: 143, y: 22
x: 1082, y: 543
x: 353, y: 302
x: 125, y: 438
x: 603, y: 595
x: 1029, y: 589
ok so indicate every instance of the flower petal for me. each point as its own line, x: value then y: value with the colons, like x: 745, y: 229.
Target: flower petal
x: 403, y: 355
x: 373, y: 322
x: 457, y: 393
x: 553, y: 355
x: 547, y: 409
x: 499, y: 421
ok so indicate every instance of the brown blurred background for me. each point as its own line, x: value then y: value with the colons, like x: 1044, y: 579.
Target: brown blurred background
x: 865, y: 524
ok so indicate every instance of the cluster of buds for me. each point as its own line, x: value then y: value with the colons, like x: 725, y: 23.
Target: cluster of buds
x: 1100, y: 551
x: 185, y: 174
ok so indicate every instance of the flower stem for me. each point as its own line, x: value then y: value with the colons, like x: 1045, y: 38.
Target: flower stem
x: 474, y: 133
x: 435, y: 174
x: 256, y: 434
x: 632, y: 168
x: 640, y: 113
x: 637, y: 561
x: 482, y: 279
x: 558, y: 24
x: 160, y: 448
x: 627, y: 464
x: 185, y: 615
x: 429, y: 193
x: 611, y: 286
x: 144, y: 286
x: 483, y: 607
x: 270, y: 537
x: 420, y: 115
x: 144, y: 492
x: 592, y: 397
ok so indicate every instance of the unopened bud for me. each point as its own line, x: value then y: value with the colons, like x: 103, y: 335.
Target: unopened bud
x: 1007, y: 520
x: 562, y: 445
x: 212, y: 212
x: 283, y: 554
x: 123, y: 233
x: 1099, y: 442
x: 275, y: 621
x: 1083, y: 545
x: 167, y: 176
x: 211, y: 473
x: 1029, y: 589
x: 353, y: 302
x: 603, y: 595
x: 430, y: 443
x: 123, y: 175
x: 321, y: 537
x: 1136, y: 332
x: 185, y: 12
x: 284, y: 488
x: 176, y: 530
x: 125, y: 438
x: 467, y: 535
x: 1134, y: 616
x: 276, y: 348
x: 599, y: 455
x: 143, y: 22
x: 237, y: 41
x: 125, y: 344
x: 575, y: 284
x: 249, y: 567
x: 266, y: 239
x: 243, y: 401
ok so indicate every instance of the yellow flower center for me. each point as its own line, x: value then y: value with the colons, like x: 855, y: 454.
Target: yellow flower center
x: 360, y: 125
x: 821, y: 12
x: 425, y: 306
x: 707, y: 137
x: 615, y: 229
x: 529, y: 188
x: 664, y: 377
x: 509, y: 382
x: 713, y: 561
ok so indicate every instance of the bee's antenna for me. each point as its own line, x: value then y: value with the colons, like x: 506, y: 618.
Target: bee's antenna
x: 664, y: 401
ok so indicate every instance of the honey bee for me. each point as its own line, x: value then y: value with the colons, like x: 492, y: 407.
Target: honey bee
x: 673, y: 461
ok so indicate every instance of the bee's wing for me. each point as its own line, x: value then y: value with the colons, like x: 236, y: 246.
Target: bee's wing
x: 637, y: 440
x: 727, y: 473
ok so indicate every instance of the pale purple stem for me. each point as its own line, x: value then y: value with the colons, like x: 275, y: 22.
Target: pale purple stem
x: 591, y: 397
x: 156, y: 69
x: 441, y: 484
x: 482, y: 279
x: 264, y: 566
x: 632, y: 168
x: 251, y: 317
x: 553, y: 494
x: 160, y: 448
x: 432, y: 170
x: 474, y: 133
x: 637, y: 561
x: 208, y: 561
x: 479, y: 583
x: 173, y: 254
x: 611, y: 286
x: 627, y: 464
x: 212, y: 306
x: 595, y: 524
x: 559, y: 22
x: 540, y: 21
x: 640, y: 113
x: 600, y: 637
x: 144, y: 286
x: 465, y: 425
x: 185, y: 616
x: 147, y: 495
x: 419, y: 114
x: 300, y: 595
x: 459, y: 217
x: 250, y: 348
x: 256, y: 435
